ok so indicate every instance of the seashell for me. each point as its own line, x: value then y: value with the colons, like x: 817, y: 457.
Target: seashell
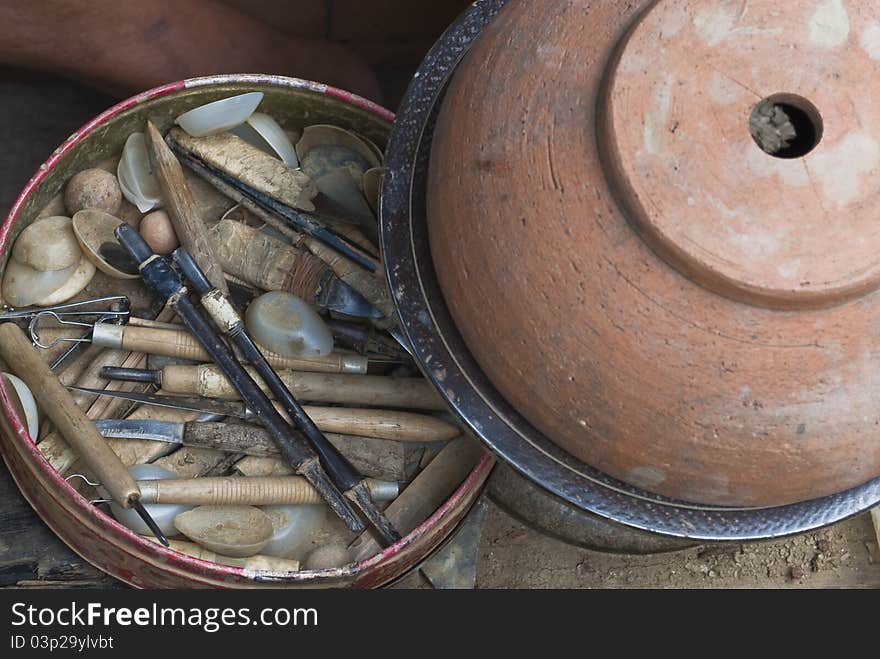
x: 23, y: 400
x: 372, y: 185
x: 48, y: 244
x: 336, y: 160
x: 344, y: 199
x: 93, y: 188
x: 293, y: 528
x: 329, y: 557
x: 337, y: 147
x: 158, y: 231
x: 81, y: 277
x: 163, y: 513
x: 94, y: 230
x: 284, y: 324
x: 23, y: 286
x: 263, y: 132
x: 237, y: 531
x: 135, y: 174
x: 219, y: 116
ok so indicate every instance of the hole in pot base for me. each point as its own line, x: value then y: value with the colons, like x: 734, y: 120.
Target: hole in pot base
x: 786, y: 126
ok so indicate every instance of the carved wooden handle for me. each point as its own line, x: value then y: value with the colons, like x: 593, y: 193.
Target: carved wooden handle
x: 271, y: 491
x: 359, y: 390
x: 182, y: 209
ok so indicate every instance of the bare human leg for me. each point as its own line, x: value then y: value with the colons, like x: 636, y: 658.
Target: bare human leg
x: 123, y: 46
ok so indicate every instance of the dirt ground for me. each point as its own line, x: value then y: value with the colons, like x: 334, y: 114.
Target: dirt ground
x: 512, y: 555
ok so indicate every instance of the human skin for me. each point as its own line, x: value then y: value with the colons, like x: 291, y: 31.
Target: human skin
x: 122, y: 46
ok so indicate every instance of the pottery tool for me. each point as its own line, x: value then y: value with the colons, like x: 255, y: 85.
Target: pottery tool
x: 341, y: 471
x: 359, y: 390
x: 57, y: 403
x: 176, y: 343
x: 390, y: 425
x: 273, y: 265
x: 109, y: 309
x: 240, y: 191
x: 240, y: 491
x: 181, y: 207
x: 165, y: 282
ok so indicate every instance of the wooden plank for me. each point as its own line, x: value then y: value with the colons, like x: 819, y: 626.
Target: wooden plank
x: 31, y: 555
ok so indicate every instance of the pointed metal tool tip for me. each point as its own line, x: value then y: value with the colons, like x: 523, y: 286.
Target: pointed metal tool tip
x: 138, y: 507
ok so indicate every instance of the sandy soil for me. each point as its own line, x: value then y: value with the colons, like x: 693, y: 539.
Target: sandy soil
x: 512, y: 555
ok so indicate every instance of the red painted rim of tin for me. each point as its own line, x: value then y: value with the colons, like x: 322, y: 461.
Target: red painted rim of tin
x: 173, y: 559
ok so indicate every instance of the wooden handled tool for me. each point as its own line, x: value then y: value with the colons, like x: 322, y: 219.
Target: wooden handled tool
x: 180, y: 344
x: 189, y: 226
x: 382, y: 424
x: 68, y: 418
x: 341, y: 471
x: 361, y: 390
x: 164, y: 281
x: 238, y: 491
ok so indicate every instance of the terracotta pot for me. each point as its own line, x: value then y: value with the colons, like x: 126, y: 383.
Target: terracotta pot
x: 644, y: 283
x: 97, y: 537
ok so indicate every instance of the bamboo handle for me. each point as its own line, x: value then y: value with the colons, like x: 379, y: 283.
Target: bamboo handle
x: 167, y: 342
x: 181, y: 344
x: 374, y: 424
x: 358, y: 390
x: 68, y: 418
x: 271, y: 491
x: 382, y: 424
x: 181, y: 207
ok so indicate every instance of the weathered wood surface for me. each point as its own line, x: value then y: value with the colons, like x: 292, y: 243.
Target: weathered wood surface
x: 31, y: 555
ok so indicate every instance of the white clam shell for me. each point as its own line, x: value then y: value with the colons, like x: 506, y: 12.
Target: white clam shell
x: 80, y: 278
x: 23, y: 286
x: 48, y: 244
x: 163, y: 513
x: 263, y: 132
x: 135, y: 175
x: 285, y: 324
x: 27, y: 401
x: 293, y: 528
x: 220, y: 115
x: 237, y: 531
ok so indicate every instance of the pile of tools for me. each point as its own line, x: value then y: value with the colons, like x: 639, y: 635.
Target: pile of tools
x: 210, y: 337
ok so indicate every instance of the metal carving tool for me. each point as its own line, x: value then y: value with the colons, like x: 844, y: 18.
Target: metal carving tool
x: 170, y: 342
x: 341, y: 471
x: 165, y: 282
x: 352, y: 390
x: 389, y: 425
x: 115, y: 309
